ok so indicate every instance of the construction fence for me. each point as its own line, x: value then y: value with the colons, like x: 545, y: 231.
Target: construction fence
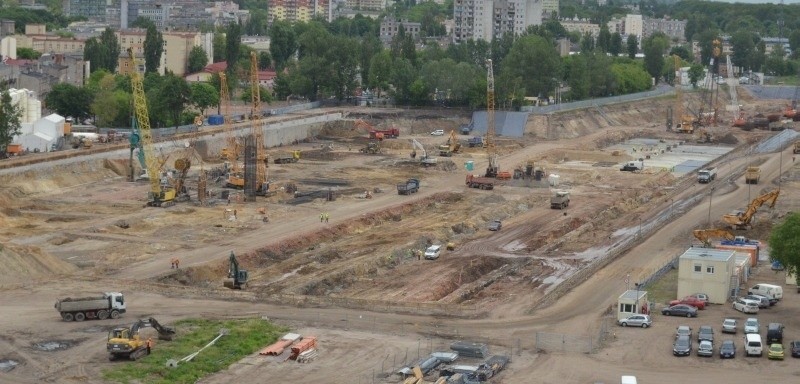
x: 387, y: 306
x: 662, y: 90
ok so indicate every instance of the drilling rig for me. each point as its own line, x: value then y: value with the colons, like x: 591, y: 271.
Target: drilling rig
x: 491, y: 151
x: 261, y: 185
x: 160, y: 195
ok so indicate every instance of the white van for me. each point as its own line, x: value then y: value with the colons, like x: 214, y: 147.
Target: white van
x: 753, y: 345
x: 768, y: 290
x: 432, y: 253
x: 628, y: 380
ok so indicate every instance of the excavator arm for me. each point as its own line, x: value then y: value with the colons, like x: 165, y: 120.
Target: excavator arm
x: 743, y: 219
x: 704, y: 235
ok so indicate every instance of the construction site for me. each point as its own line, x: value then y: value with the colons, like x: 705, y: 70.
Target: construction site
x: 309, y: 217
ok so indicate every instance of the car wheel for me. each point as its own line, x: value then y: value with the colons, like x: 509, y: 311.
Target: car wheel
x: 644, y: 325
x: 688, y: 315
x: 624, y: 324
x: 666, y: 313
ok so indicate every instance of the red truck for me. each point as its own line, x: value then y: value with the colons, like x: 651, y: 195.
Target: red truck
x: 391, y: 133
x: 480, y: 182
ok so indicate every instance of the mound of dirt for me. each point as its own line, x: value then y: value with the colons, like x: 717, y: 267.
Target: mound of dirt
x: 18, y: 263
x: 728, y: 138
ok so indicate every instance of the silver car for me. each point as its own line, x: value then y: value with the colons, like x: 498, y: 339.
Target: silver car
x: 729, y: 326
x: 706, y: 348
x: 751, y: 326
x: 643, y: 321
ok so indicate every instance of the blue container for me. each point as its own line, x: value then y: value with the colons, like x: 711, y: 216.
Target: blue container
x: 469, y: 165
x: 216, y: 120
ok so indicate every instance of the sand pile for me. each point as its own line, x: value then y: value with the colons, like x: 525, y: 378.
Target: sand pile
x: 18, y: 263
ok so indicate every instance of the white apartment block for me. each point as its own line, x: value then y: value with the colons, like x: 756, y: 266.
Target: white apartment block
x: 487, y: 19
x: 674, y: 29
x: 581, y: 26
x: 634, y: 25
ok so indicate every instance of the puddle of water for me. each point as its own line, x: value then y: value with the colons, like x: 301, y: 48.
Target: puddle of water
x: 7, y: 365
x: 50, y: 346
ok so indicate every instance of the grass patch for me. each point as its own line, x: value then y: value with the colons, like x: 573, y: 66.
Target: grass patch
x: 244, y: 338
x: 664, y: 289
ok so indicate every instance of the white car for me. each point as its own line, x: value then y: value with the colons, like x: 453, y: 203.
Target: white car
x: 745, y: 306
x: 751, y: 325
x: 438, y: 132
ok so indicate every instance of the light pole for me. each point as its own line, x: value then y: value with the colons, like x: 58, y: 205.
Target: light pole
x: 710, y: 196
x: 637, y: 309
x: 671, y: 205
x: 627, y: 281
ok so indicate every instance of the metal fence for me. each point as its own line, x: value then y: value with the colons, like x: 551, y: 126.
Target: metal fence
x: 582, y: 104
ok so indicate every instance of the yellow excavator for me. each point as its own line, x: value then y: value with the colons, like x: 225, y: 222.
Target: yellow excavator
x: 742, y: 219
x: 705, y: 235
x: 451, y: 146
x: 127, y: 343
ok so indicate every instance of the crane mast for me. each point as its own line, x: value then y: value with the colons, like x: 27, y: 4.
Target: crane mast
x: 491, y: 170
x: 258, y: 134
x: 158, y: 195
x: 231, y: 151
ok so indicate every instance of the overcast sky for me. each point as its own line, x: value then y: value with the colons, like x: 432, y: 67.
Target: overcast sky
x: 760, y: 1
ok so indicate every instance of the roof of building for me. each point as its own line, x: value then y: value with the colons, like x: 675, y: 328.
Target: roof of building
x: 216, y: 67
x: 696, y: 253
x: 54, y: 117
x: 631, y: 294
x: 266, y: 75
x: 18, y: 62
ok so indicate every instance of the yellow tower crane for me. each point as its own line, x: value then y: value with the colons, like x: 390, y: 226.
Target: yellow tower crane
x: 491, y: 151
x: 160, y: 195
x: 232, y: 148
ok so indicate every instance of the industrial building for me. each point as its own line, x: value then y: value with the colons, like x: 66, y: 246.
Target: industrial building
x: 706, y: 270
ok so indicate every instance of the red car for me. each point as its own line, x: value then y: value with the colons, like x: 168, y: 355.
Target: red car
x: 690, y: 300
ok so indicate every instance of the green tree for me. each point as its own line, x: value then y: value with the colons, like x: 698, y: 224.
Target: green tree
x: 104, y: 106
x: 283, y: 43
x: 69, y: 100
x: 604, y: 39
x: 218, y: 44
x: 696, y: 71
x: 342, y: 58
x: 455, y: 79
x: 203, y: 96
x: 587, y: 42
x: 630, y: 78
x: 108, y: 39
x: 264, y: 60
x: 380, y: 71
x: 28, y: 54
x: 143, y: 23
x: 632, y: 46
x: 743, y: 44
x: 153, y: 47
x: 681, y: 51
x: 532, y: 65
x: 264, y: 95
x: 370, y: 46
x: 198, y: 59
x: 577, y: 76
x: 403, y: 75
x: 794, y: 42
x: 233, y: 39
x: 784, y: 241
x: 616, y: 44
x: 9, y: 120
x: 169, y: 99
x: 654, y: 48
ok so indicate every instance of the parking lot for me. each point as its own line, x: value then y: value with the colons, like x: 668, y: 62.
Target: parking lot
x: 657, y: 341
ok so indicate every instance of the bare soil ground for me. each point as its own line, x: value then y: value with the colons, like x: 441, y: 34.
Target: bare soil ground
x: 82, y: 228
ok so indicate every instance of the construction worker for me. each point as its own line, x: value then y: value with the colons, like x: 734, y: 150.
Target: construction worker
x: 327, y: 216
x: 177, y: 263
x: 321, y: 217
x: 149, y: 344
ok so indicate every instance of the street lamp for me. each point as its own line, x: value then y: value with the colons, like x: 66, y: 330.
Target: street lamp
x: 671, y: 204
x: 710, y: 196
x: 637, y: 309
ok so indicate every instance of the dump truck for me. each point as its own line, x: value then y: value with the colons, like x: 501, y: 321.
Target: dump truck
x: 632, y: 166
x: 559, y: 200
x: 109, y: 304
x: 292, y: 157
x: 707, y: 175
x: 409, y: 187
x: 476, y: 141
x: 391, y: 133
x: 480, y: 182
x: 751, y: 175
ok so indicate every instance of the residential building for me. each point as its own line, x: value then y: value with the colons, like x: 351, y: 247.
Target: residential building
x: 35, y: 29
x: 124, y: 63
x: 225, y: 12
x: 157, y: 13
x: 775, y: 43
x: 91, y: 9
x: 487, y: 19
x: 390, y: 27
x: 674, y: 29
x: 581, y: 26
x: 706, y: 270
x: 8, y: 47
x: 550, y: 9
x: 177, y: 46
x: 299, y: 10
x: 7, y: 27
x: 371, y: 5
x: 634, y: 25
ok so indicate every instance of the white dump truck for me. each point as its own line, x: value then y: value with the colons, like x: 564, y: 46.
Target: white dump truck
x: 109, y: 304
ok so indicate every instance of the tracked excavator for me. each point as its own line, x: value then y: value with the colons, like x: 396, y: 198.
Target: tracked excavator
x: 237, y: 278
x: 742, y: 219
x: 451, y: 146
x: 127, y: 343
x: 705, y: 235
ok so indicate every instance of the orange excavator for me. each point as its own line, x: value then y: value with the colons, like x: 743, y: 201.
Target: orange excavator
x: 705, y: 235
x: 742, y: 219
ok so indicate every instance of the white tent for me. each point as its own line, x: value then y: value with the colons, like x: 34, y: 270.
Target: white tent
x: 51, y: 125
x: 37, y: 140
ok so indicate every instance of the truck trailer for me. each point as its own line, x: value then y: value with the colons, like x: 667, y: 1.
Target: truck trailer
x: 559, y: 200
x: 480, y: 182
x: 752, y: 175
x: 109, y: 304
x: 409, y: 187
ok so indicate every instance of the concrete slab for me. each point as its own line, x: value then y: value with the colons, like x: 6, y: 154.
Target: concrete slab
x: 678, y: 156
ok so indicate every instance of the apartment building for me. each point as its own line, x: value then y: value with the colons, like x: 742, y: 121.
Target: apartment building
x: 674, y: 29
x: 91, y: 9
x: 177, y: 46
x: 487, y: 19
x: 581, y: 26
x: 366, y: 5
x: 391, y: 26
x: 299, y: 10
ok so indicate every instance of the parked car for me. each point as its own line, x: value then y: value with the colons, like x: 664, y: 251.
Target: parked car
x: 727, y: 350
x: 706, y: 348
x: 771, y: 300
x: 751, y: 325
x: 702, y: 297
x: 636, y: 321
x: 438, y: 132
x: 680, y: 310
x: 774, y: 333
x: 495, y: 225
x: 682, y: 346
x: 775, y: 352
x: 729, y: 326
x: 683, y: 330
x: 794, y: 347
x: 753, y: 346
x: 762, y: 301
x: 745, y: 305
x: 690, y: 300
x: 706, y: 332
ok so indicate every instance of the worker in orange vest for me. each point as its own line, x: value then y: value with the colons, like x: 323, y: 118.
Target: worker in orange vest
x: 149, y: 344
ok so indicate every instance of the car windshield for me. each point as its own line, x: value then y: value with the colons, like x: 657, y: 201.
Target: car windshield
x: 776, y: 347
x: 751, y: 323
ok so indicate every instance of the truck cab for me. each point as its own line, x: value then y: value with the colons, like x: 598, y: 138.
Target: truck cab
x: 707, y: 175
x: 559, y: 200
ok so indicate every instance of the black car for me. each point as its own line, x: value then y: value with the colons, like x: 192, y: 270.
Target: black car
x: 775, y: 333
x: 682, y: 346
x: 727, y: 350
x: 680, y: 310
x: 794, y: 347
x: 705, y: 333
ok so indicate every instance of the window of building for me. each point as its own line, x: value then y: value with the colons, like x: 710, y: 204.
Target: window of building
x: 710, y: 269
x: 626, y: 307
x: 698, y: 268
